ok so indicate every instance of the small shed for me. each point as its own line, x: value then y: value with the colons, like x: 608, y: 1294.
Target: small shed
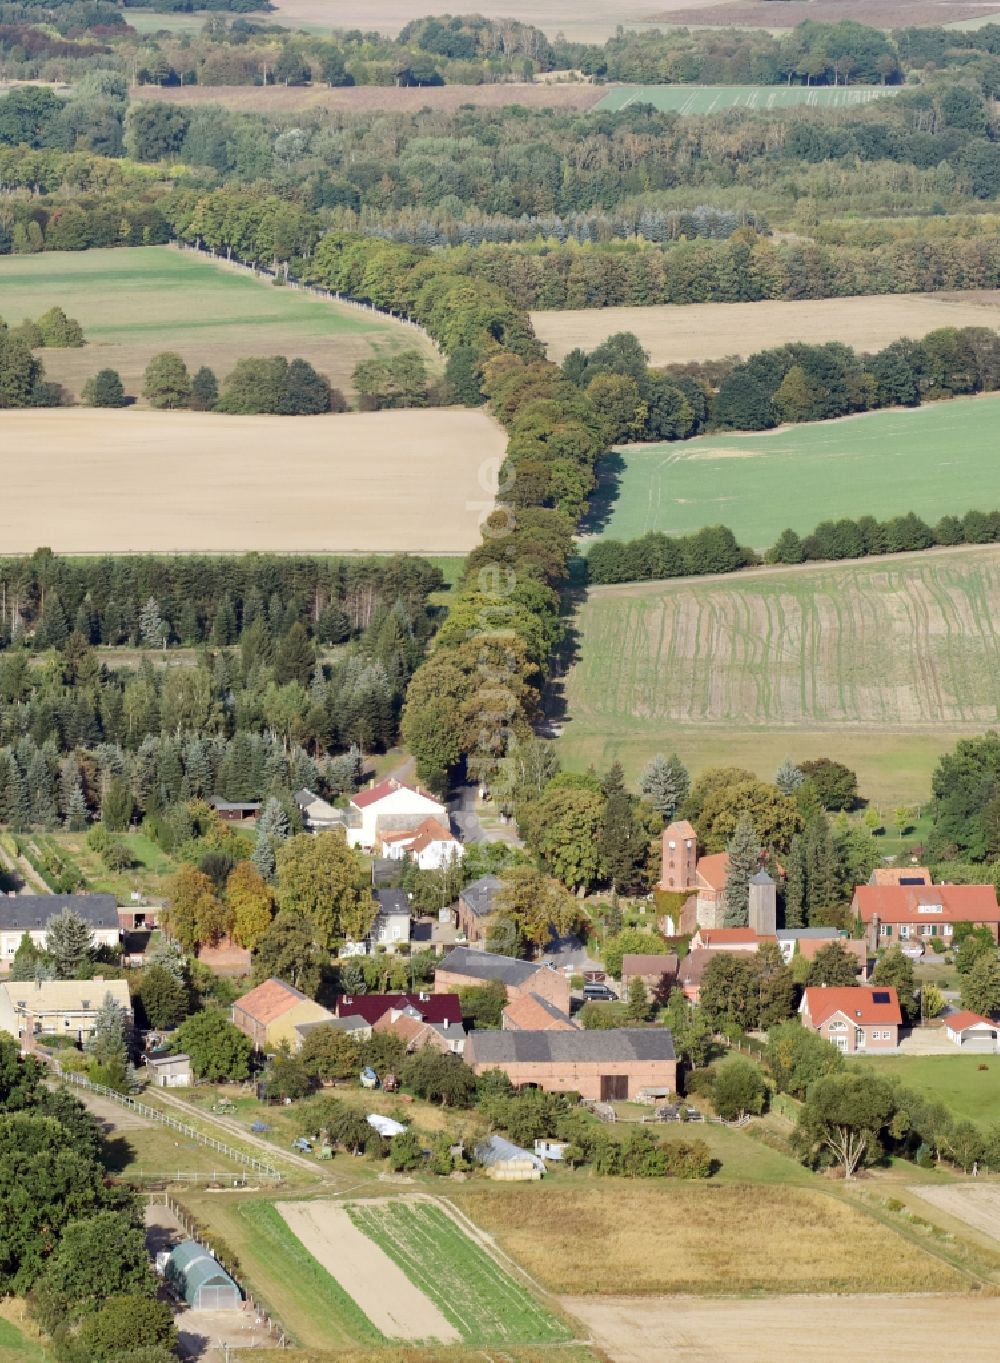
x: 169, y: 1071
x: 201, y: 1280
x: 508, y: 1163
x: 971, y: 1032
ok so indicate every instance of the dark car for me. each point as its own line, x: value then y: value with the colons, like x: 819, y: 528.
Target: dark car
x: 599, y: 993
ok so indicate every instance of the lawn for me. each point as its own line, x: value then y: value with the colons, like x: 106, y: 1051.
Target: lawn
x: 933, y: 460
x: 148, y: 876
x: 970, y: 1092
x: 882, y: 664
x: 478, y: 1297
x: 15, y: 1345
x: 711, y: 99
x: 134, y: 302
x: 283, y: 1275
x: 608, y: 1236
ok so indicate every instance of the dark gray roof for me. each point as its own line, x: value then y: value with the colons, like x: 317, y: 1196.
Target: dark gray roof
x: 392, y: 901
x: 479, y: 896
x: 617, y: 1044
x: 25, y: 912
x: 484, y: 965
x: 218, y: 803
x: 798, y: 934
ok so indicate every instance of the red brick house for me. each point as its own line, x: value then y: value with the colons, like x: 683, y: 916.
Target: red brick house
x: 532, y: 1013
x: 854, y: 1019
x: 466, y: 968
x: 605, y: 1065
x: 921, y: 913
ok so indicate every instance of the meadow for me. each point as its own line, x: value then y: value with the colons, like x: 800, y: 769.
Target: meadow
x: 718, y: 1240
x: 713, y: 99
x: 969, y: 1091
x: 932, y: 460
x: 134, y: 302
x: 676, y: 333
x: 882, y: 664
x: 475, y: 1294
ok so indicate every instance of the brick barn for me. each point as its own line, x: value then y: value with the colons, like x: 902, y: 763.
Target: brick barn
x: 603, y: 1065
x: 465, y: 968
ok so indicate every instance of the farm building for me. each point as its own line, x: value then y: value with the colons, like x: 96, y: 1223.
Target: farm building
x: 971, y: 1032
x: 920, y: 913
x: 854, y: 1018
x: 431, y: 845
x: 464, y: 966
x: 657, y: 973
x: 476, y: 907
x: 270, y: 1014
x: 596, y: 1064
x: 236, y: 811
x: 532, y: 1013
x: 33, y: 1008
x: 30, y: 913
x: 200, y: 1280
x: 390, y: 806
x: 318, y: 815
x: 790, y: 939
x: 169, y: 1071
x: 508, y: 1163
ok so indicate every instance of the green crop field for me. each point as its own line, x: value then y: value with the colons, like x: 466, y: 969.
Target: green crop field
x: 710, y: 99
x: 483, y: 1302
x: 135, y: 301
x: 968, y: 1085
x: 932, y: 460
x: 881, y: 664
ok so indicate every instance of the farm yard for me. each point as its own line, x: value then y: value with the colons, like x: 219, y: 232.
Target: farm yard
x: 713, y: 99
x: 633, y: 1330
x: 886, y: 662
x: 133, y: 303
x: 121, y: 481
x: 938, y: 459
x: 482, y: 1302
x: 676, y: 333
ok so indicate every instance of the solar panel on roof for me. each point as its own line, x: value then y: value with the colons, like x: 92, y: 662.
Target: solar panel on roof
x: 881, y: 996
x: 911, y: 880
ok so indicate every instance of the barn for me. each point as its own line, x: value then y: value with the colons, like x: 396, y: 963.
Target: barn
x: 200, y: 1280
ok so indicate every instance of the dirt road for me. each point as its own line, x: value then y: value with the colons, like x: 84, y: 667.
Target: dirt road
x: 379, y: 1286
x: 791, y: 1329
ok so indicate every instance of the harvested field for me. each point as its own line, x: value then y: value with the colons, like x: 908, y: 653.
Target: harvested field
x: 678, y: 333
x: 91, y: 481
x: 282, y: 99
x: 480, y: 1299
x: 581, y: 20
x: 376, y: 1283
x: 888, y: 14
x: 713, y: 99
x: 700, y: 1239
x: 977, y: 1205
x: 883, y: 664
x: 931, y: 460
x: 134, y: 302
x: 786, y: 1329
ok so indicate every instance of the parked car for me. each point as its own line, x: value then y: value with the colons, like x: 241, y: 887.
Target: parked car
x: 599, y: 993
x: 300, y: 1143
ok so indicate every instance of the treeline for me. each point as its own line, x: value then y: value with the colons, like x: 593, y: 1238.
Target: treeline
x: 715, y: 550
x: 198, y: 599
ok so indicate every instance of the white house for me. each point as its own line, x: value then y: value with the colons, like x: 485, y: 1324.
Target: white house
x: 971, y: 1032
x: 33, y: 1008
x: 391, y: 806
x: 30, y: 913
x: 391, y: 927
x: 431, y: 845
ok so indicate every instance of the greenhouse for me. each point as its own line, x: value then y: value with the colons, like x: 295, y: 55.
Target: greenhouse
x: 200, y: 1279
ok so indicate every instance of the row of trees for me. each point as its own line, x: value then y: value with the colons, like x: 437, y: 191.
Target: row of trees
x: 274, y: 386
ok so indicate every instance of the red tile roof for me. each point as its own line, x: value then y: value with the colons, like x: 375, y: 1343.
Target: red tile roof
x: 432, y: 1007
x: 269, y: 1000
x: 916, y: 903
x: 431, y: 830
x: 680, y: 829
x: 857, y: 1003
x: 723, y: 937
x: 649, y: 964
x: 714, y: 869
x: 896, y: 875
x: 810, y: 946
x: 383, y: 789
x: 530, y: 1013
x: 958, y: 1022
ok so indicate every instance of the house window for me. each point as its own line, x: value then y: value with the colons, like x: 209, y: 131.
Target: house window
x: 859, y: 1036
x: 836, y: 1027
x: 885, y: 930
x: 904, y: 931
x: 932, y: 930
x: 946, y: 930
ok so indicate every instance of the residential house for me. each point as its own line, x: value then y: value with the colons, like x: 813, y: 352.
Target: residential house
x: 901, y: 875
x: 465, y: 967
x: 30, y: 913
x: 388, y: 807
x: 271, y: 1013
x: 789, y: 939
x: 416, y: 1032
x: 532, y: 1013
x: 921, y: 913
x: 605, y: 1065
x: 431, y: 845
x: 33, y: 1008
x: 169, y: 1071
x: 657, y: 973
x: 729, y: 939
x: 391, y: 927
x: 318, y: 815
x: 444, y: 1009
x: 476, y: 907
x: 971, y: 1032
x: 856, y: 1018
x: 508, y: 1163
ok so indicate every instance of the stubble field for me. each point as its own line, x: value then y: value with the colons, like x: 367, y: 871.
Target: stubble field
x: 933, y: 460
x: 882, y: 664
x: 580, y: 20
x: 284, y: 99
x: 678, y: 333
x: 134, y: 302
x: 712, y: 99
x: 91, y: 481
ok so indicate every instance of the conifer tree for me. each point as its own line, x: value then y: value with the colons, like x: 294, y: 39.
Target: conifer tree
x: 788, y: 777
x: 69, y: 942
x: 796, y: 900
x: 744, y: 863
x: 665, y: 783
